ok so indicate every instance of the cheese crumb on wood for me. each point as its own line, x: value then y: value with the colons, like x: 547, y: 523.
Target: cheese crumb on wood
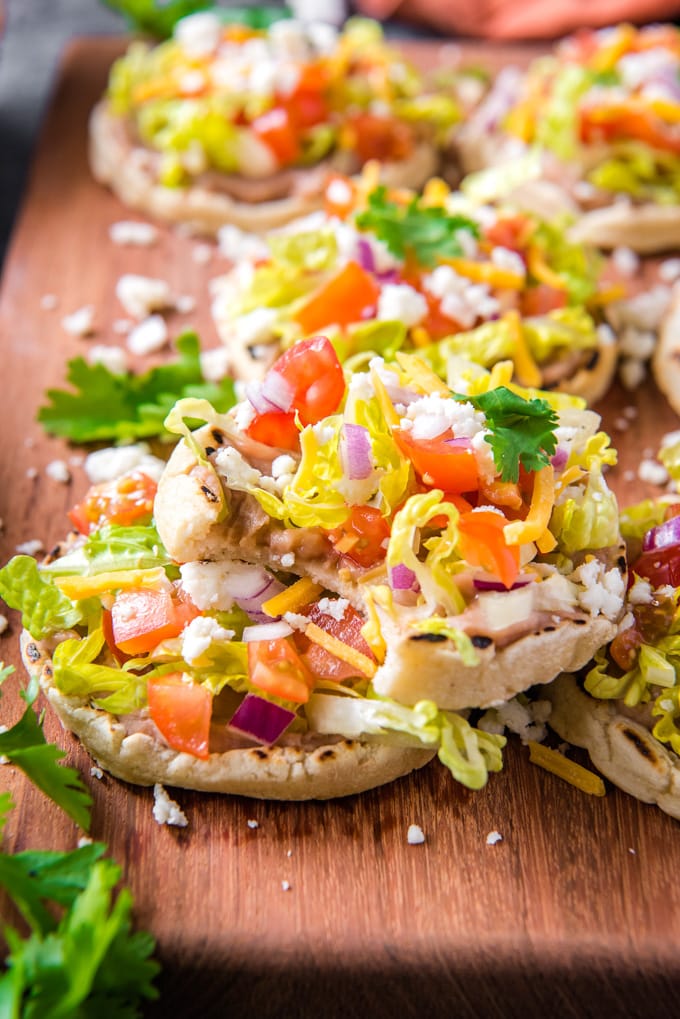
x: 140, y: 295
x: 96, y: 771
x: 4, y: 623
x: 149, y: 336
x: 133, y: 233
x: 253, y: 824
x: 33, y: 547
x: 80, y: 322
x: 48, y: 302
x: 415, y: 835
x: 165, y: 810
x: 57, y: 470
x: 493, y: 837
x: 114, y: 359
x: 653, y: 472
x: 285, y: 886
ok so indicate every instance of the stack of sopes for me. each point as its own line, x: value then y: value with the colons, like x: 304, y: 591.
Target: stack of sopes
x: 381, y: 269
x: 316, y: 618
x: 625, y: 707
x: 226, y: 123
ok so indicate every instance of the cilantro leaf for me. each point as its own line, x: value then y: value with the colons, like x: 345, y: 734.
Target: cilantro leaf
x: 158, y: 17
x: 25, y: 746
x: 104, y: 406
x: 522, y: 431
x: 6, y: 804
x: 88, y: 963
x: 427, y: 233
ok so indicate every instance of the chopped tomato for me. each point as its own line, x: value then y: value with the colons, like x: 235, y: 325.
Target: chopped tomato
x: 128, y: 500
x: 618, y: 123
x: 541, y: 299
x: 659, y: 566
x: 443, y: 462
x: 317, y: 383
x: 307, y: 104
x: 275, y: 667
x: 279, y: 134
x: 107, y: 627
x: 362, y: 538
x: 275, y: 428
x: 321, y: 662
x: 350, y: 296
x: 437, y: 324
x: 482, y: 543
x: 181, y: 712
x: 376, y: 137
x: 509, y: 232
x: 141, y: 619
x: 340, y: 196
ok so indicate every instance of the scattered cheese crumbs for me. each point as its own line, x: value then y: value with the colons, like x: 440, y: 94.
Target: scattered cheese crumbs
x: 202, y: 253
x: 289, y: 853
x: 32, y: 472
x: 33, y: 547
x: 96, y: 771
x: 57, y: 470
x: 625, y: 261
x: 603, y: 589
x: 185, y: 304
x: 253, y: 824
x: 415, y: 835
x: 632, y: 372
x: 199, y: 634
x: 140, y: 295
x: 641, y: 592
x: 632, y: 852
x: 214, y: 364
x: 80, y: 322
x: 554, y: 762
x: 48, y: 302
x: 631, y: 412
x: 493, y: 837
x: 621, y: 424
x: 629, y: 475
x: 29, y: 442
x: 653, y: 472
x: 149, y: 336
x: 4, y: 623
x: 84, y: 840
x: 133, y: 233
x: 122, y: 326
x: 113, y: 462
x: 669, y: 271
x: 114, y: 359
x: 287, y: 560
x: 165, y: 810
x: 334, y: 607
x: 285, y: 886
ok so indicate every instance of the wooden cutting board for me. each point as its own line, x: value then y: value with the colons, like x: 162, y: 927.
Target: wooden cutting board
x: 576, y: 910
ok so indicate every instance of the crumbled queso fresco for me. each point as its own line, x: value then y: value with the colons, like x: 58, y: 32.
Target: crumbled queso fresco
x: 415, y: 835
x: 603, y: 589
x: 165, y: 810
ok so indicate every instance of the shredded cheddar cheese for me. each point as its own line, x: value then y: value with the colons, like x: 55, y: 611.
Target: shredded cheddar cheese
x: 486, y: 272
x: 534, y: 526
x: 302, y: 592
x: 362, y: 663
x: 539, y: 268
x: 383, y: 398
x: 557, y: 764
x: 527, y: 371
x: 421, y: 375
x: 77, y: 587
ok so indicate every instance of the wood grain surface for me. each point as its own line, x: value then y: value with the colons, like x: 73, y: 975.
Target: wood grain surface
x: 575, y: 912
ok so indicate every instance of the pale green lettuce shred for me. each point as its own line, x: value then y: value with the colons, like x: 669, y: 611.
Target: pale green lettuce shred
x: 393, y: 468
x: 576, y: 264
x: 497, y: 182
x: 557, y: 126
x: 309, y: 251
x: 44, y: 609
x: 360, y: 341
x: 436, y: 575
x: 667, y: 729
x: 636, y: 520
x: 468, y: 753
x: 564, y: 329
x: 669, y: 455
x: 76, y: 674
x: 640, y: 171
x: 588, y: 518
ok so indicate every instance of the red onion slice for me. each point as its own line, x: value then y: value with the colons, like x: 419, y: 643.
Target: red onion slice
x: 402, y: 578
x: 244, y: 582
x: 559, y: 459
x: 260, y: 719
x: 355, y: 452
x: 278, y: 391
x: 255, y: 397
x: 267, y: 631
x: 498, y: 585
x: 662, y: 536
x: 365, y: 256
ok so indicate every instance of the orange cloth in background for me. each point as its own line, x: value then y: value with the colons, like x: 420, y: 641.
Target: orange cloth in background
x: 519, y: 19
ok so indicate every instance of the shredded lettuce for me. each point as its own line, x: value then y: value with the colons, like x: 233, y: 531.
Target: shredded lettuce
x: 43, y: 607
x: 636, y: 520
x: 641, y: 172
x: 557, y: 123
x: 468, y: 753
x: 576, y: 264
x: 498, y: 182
x: 588, y: 518
x: 114, y: 547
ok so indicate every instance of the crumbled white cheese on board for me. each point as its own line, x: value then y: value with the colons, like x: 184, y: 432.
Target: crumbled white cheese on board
x: 165, y: 810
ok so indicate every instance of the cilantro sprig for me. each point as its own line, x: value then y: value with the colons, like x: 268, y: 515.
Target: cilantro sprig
x: 522, y: 431
x: 425, y: 233
x: 104, y: 406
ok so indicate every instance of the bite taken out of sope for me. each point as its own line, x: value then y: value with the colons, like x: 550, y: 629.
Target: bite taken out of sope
x: 230, y: 123
x: 471, y: 528
x: 625, y: 707
x: 380, y: 270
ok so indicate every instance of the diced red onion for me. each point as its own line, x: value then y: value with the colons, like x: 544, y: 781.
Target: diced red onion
x: 497, y: 585
x: 388, y: 276
x: 256, y: 397
x: 355, y: 452
x: 278, y: 391
x: 365, y: 256
x: 662, y: 536
x: 245, y: 583
x: 267, y: 631
x: 253, y: 605
x: 559, y: 458
x: 402, y: 578
x: 260, y: 719
x: 461, y: 443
